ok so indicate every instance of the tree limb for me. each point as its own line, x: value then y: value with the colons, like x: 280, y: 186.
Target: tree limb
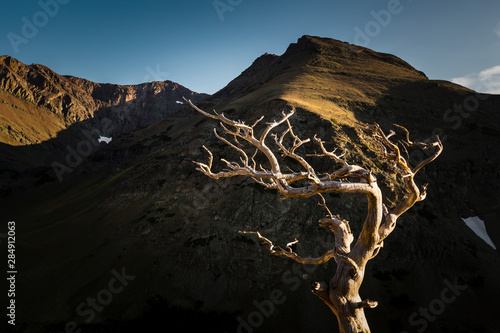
x: 332, y: 155
x: 402, y: 167
x: 288, y: 252
x: 275, y: 178
x: 367, y: 304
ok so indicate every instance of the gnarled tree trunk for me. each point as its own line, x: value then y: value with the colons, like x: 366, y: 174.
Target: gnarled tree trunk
x: 341, y: 293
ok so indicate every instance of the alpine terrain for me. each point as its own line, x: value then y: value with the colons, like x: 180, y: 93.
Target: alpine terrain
x: 128, y: 236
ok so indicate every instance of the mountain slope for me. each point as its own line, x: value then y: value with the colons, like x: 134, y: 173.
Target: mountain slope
x: 325, y: 76
x: 138, y: 204
x: 38, y: 103
x: 47, y: 119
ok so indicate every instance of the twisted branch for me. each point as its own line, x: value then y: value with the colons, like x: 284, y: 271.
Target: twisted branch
x: 403, y: 168
x: 274, y: 178
x: 332, y: 155
x: 288, y: 252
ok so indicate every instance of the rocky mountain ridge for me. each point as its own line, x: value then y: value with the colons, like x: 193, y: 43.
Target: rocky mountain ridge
x: 57, y: 102
x: 46, y: 119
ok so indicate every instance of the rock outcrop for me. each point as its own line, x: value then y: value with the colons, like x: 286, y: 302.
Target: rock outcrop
x: 37, y: 103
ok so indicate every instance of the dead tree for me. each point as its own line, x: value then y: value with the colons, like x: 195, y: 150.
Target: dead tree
x: 341, y: 293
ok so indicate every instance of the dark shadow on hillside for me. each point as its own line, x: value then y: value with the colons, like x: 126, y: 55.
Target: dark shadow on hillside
x: 462, y: 184
x: 25, y: 167
x: 162, y: 318
x: 176, y: 230
x: 468, y: 124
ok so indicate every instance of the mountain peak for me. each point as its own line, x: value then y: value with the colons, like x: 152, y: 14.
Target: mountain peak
x: 316, y: 40
x: 260, y: 63
x: 340, y: 51
x: 10, y: 62
x: 340, y: 75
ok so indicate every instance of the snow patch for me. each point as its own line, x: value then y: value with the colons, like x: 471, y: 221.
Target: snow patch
x: 477, y: 225
x: 179, y: 102
x: 104, y: 139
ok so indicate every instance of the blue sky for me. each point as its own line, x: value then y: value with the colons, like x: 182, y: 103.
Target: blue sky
x: 205, y: 44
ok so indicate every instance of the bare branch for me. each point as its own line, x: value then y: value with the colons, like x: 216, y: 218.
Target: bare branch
x: 407, y: 133
x: 278, y: 180
x: 297, y: 141
x: 401, y: 166
x: 332, y: 155
x: 323, y: 204
x: 278, y: 251
x: 220, y: 117
x: 367, y: 304
x: 439, y: 148
x: 257, y: 121
x: 274, y: 124
x: 291, y: 152
x: 232, y: 146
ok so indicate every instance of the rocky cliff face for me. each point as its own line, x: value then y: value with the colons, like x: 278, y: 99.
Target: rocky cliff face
x: 46, y: 119
x: 139, y: 207
x: 38, y: 103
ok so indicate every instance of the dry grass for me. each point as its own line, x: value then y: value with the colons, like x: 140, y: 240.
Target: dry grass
x: 26, y: 122
x: 322, y: 77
